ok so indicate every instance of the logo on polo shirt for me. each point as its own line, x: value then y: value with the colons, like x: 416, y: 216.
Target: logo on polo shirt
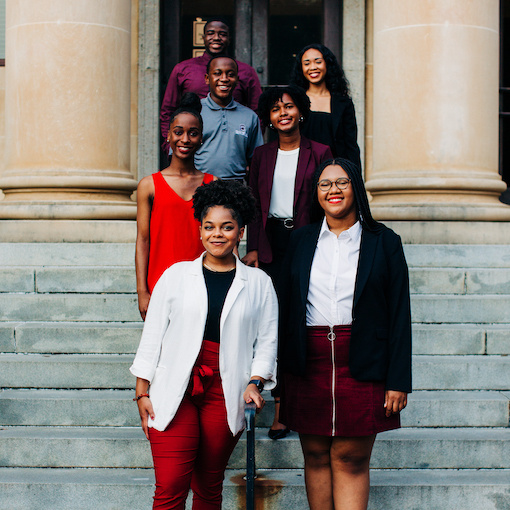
x: 241, y: 130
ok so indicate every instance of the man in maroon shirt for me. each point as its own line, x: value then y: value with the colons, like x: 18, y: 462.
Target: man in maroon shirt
x: 189, y: 76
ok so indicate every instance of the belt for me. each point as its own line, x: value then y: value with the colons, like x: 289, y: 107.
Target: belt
x: 288, y: 223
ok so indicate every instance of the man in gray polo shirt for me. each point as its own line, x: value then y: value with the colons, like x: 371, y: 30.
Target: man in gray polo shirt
x: 231, y: 130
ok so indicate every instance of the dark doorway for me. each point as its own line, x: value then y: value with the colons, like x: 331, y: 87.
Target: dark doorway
x: 292, y: 25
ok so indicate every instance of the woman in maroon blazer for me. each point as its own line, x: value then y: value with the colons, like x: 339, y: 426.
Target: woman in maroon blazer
x: 281, y: 180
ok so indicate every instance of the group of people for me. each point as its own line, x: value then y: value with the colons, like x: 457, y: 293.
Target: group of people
x: 318, y: 309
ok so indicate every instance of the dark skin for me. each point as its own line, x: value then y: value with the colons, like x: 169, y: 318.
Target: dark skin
x: 337, y: 468
x: 222, y: 80
x: 185, y: 138
x: 220, y: 234
x: 216, y: 38
x: 284, y: 117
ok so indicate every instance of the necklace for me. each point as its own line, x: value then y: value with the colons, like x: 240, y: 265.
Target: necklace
x: 216, y: 270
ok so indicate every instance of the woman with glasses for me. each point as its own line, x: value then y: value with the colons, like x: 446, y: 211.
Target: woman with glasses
x: 280, y: 178
x: 345, y: 336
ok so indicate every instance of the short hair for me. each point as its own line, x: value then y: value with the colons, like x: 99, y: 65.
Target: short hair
x: 336, y: 82
x: 222, y: 56
x: 360, y: 194
x: 271, y: 96
x: 232, y: 195
x: 190, y: 103
x: 219, y: 19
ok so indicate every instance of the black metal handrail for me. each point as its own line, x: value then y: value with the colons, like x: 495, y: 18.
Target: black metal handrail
x: 249, y: 413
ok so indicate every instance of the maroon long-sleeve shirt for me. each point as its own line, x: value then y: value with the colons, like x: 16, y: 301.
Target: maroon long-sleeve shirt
x: 189, y: 76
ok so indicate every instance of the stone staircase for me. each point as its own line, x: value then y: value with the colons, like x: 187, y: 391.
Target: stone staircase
x: 69, y: 434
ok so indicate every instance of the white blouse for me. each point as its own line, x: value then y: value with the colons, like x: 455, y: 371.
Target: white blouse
x: 333, y: 276
x: 284, y: 182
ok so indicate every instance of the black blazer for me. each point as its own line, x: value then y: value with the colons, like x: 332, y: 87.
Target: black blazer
x: 380, y: 348
x: 344, y: 127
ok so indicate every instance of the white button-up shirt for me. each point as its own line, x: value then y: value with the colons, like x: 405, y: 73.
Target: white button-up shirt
x: 333, y: 276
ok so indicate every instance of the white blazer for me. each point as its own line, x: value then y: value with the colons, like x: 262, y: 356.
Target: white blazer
x: 174, y: 329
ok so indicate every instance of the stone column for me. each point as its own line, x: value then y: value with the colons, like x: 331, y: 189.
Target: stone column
x: 67, y: 110
x: 435, y: 111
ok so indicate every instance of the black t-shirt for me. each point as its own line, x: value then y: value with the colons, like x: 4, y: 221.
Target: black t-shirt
x: 218, y: 284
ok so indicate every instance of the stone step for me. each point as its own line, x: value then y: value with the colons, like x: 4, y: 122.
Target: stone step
x: 67, y: 254
x: 70, y: 337
x: 461, y: 339
x: 122, y: 254
x: 121, y: 279
x: 69, y: 307
x: 457, y: 255
x: 126, y: 447
x: 115, y: 408
x: 115, y: 489
x: 123, y: 338
x: 104, y: 371
x: 467, y: 309
x: 426, y: 308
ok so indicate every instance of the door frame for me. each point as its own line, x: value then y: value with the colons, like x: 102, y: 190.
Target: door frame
x: 251, y: 20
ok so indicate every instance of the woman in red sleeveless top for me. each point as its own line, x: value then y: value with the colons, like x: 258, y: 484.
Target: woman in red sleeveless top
x: 167, y: 231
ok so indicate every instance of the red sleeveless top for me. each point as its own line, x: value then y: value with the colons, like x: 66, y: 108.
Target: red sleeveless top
x: 174, y: 234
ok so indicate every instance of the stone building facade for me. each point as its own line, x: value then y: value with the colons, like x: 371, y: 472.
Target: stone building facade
x: 82, y: 84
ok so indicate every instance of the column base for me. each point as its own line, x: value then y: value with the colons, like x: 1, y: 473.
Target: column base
x: 67, y: 231
x: 90, y: 210
x: 69, y: 197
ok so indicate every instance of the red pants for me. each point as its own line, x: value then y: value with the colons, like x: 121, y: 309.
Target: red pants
x: 194, y: 449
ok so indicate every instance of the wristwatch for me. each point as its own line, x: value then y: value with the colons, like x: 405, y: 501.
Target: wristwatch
x: 258, y: 383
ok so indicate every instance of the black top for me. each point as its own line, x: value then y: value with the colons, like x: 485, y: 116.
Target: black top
x: 218, y: 284
x: 337, y: 129
x: 320, y: 127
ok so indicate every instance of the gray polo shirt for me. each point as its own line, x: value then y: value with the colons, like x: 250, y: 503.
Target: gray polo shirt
x: 231, y: 134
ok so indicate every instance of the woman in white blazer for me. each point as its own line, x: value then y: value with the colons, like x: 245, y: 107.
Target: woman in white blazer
x: 208, y: 346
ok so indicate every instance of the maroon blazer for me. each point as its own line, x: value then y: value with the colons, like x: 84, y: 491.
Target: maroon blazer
x: 263, y: 163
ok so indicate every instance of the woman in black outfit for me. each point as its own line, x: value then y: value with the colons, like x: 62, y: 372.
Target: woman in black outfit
x: 332, y: 120
x: 345, y: 334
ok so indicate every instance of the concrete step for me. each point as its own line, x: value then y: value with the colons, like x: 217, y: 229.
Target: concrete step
x: 123, y: 338
x: 459, y: 281
x: 70, y: 337
x: 126, y: 447
x: 89, y: 489
x: 467, y: 309
x: 76, y: 279
x: 67, y: 254
x: 461, y: 339
x: 121, y: 279
x: 69, y: 307
x: 114, y: 408
x: 426, y: 308
x: 457, y: 255
x: 66, y: 371
x: 104, y: 371
x: 461, y: 372
x: 117, y: 254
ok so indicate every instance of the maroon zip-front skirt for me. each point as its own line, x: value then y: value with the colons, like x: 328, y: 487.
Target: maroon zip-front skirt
x: 328, y: 401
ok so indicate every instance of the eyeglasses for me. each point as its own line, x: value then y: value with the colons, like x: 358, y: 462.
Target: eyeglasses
x: 341, y: 183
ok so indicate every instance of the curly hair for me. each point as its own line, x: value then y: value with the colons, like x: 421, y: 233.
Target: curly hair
x: 360, y: 194
x: 190, y: 103
x: 232, y: 195
x: 271, y: 96
x: 336, y: 82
